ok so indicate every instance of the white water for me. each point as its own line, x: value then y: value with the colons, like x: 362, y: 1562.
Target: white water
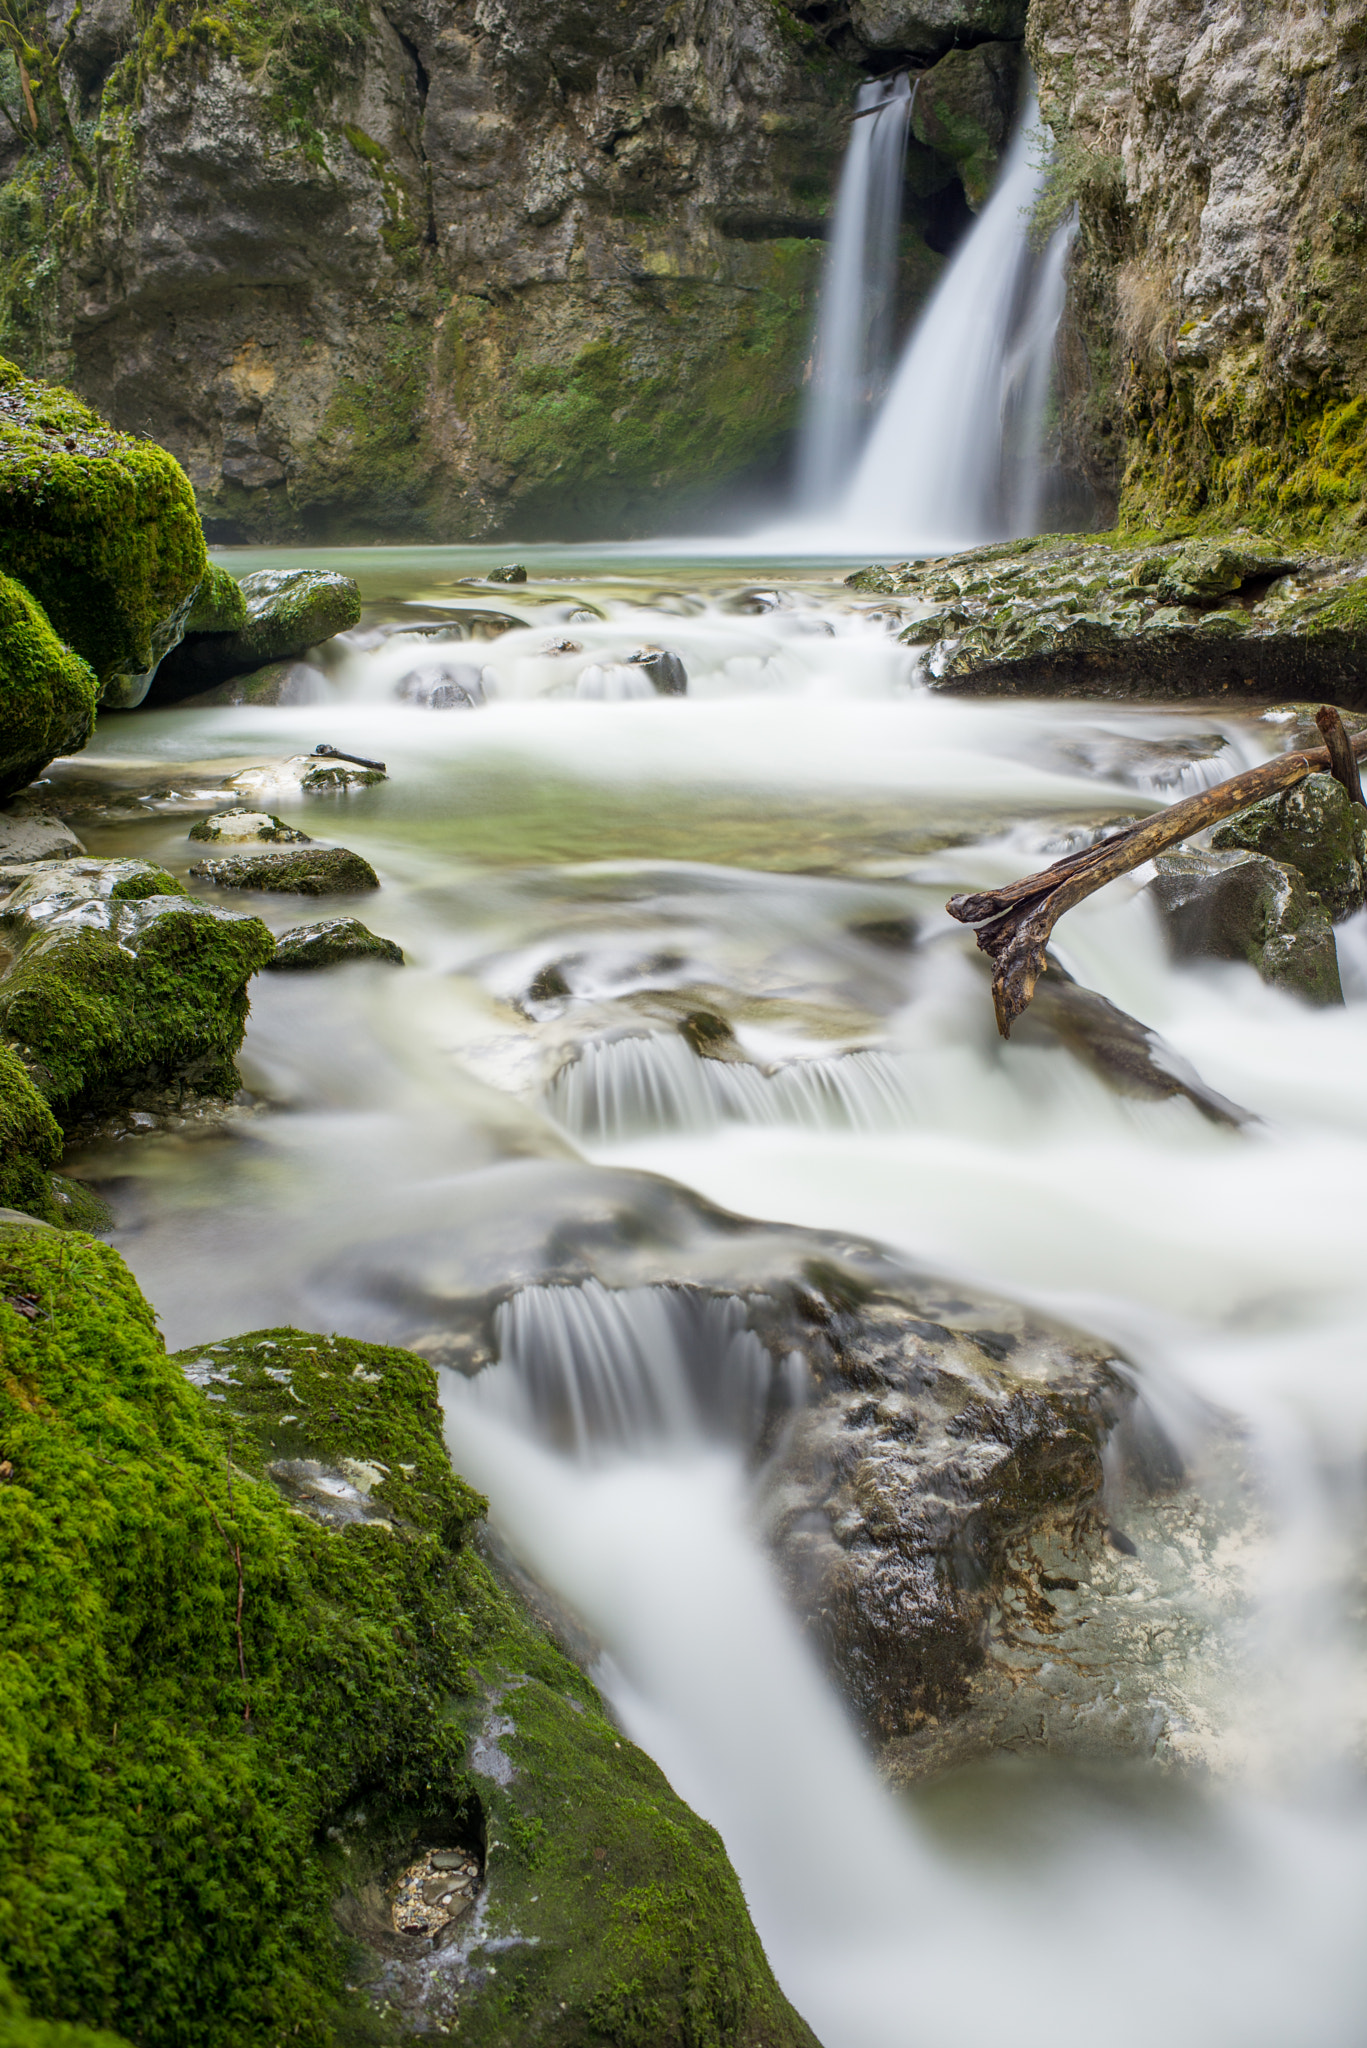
x: 854, y: 320
x: 731, y: 843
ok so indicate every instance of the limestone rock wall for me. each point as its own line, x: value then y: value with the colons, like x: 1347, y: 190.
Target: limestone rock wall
x: 1216, y: 364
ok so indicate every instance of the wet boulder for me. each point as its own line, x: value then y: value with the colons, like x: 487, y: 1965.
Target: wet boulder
x: 287, y: 612
x: 101, y: 529
x: 1237, y: 905
x: 929, y: 28
x: 47, y: 693
x: 119, y: 987
x: 30, y: 1140
x: 240, y: 825
x: 511, y: 572
x: 35, y: 835
x: 306, y: 775
x: 668, y: 676
x: 344, y: 1705
x: 1314, y: 827
x: 331, y: 943
x: 305, y: 871
x: 443, y: 686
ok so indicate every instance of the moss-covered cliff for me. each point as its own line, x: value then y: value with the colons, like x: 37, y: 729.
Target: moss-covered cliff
x: 254, y: 1671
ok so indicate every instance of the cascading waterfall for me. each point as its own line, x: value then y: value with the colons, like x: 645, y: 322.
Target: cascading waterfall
x: 953, y: 458
x: 854, y: 323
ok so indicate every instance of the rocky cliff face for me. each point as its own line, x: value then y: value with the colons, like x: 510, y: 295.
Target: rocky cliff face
x: 1217, y: 150
x: 460, y: 267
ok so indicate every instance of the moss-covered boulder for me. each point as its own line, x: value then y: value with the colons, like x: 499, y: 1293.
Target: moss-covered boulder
x: 219, y: 605
x: 47, y: 693
x: 1067, y: 617
x: 30, y: 1140
x: 255, y: 1672
x: 1316, y: 829
x: 242, y: 826
x: 303, y: 871
x: 329, y: 944
x: 286, y: 612
x: 121, y: 986
x: 100, y: 527
x: 1239, y: 905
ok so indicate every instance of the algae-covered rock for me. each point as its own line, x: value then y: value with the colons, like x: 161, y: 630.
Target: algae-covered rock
x: 219, y: 605
x: 122, y: 983
x: 1241, y: 906
x: 30, y: 1140
x: 963, y: 110
x: 1315, y: 828
x: 238, y: 825
x: 315, y: 871
x: 329, y: 944
x: 1065, y: 617
x: 287, y: 611
x: 229, y: 1739
x: 47, y: 693
x: 101, y: 528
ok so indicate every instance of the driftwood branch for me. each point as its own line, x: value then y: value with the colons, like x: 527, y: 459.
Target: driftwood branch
x: 1013, y: 923
x: 1343, y: 763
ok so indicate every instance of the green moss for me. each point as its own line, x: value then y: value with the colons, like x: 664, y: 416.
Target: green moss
x: 226, y: 1722
x: 219, y: 605
x: 47, y: 693
x: 304, y: 871
x: 330, y: 944
x: 30, y: 1141
x: 103, y: 1015
x: 100, y: 527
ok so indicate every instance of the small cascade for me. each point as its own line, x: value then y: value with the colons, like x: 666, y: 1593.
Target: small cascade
x: 853, y: 344
x: 954, y: 455
x: 622, y: 1088
x: 590, y: 1370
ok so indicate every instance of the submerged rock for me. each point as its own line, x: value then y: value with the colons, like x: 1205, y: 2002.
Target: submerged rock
x: 120, y: 984
x: 47, y: 693
x: 317, y: 871
x: 511, y: 572
x: 1065, y: 617
x: 1242, y: 906
x: 329, y: 943
x: 240, y: 824
x: 443, y: 685
x: 665, y: 669
x: 1313, y: 827
x: 331, y: 1703
x: 287, y: 612
x: 101, y: 528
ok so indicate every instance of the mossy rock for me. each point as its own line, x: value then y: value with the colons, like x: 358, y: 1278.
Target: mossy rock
x: 1316, y: 829
x: 304, y: 871
x: 30, y: 1140
x: 219, y: 605
x: 233, y: 1714
x: 1237, y: 905
x: 123, y: 984
x: 240, y: 824
x: 329, y: 944
x: 287, y: 612
x: 100, y: 527
x: 47, y: 693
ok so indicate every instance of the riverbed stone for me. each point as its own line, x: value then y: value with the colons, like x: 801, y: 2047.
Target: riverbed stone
x: 311, y: 871
x: 27, y: 835
x: 328, y: 1704
x: 239, y: 825
x: 119, y: 984
x: 329, y: 944
x: 1242, y: 619
x: 287, y: 612
x: 1239, y: 905
x: 1314, y: 827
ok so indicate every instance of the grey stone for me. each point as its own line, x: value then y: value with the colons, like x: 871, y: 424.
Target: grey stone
x: 1243, y: 906
x: 288, y: 611
x: 930, y: 27
x: 511, y: 572
x: 443, y: 685
x: 329, y: 944
x: 35, y: 835
x: 240, y: 824
x: 665, y: 669
x: 1315, y: 828
x: 303, y: 871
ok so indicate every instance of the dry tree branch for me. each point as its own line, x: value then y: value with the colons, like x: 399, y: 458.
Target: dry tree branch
x: 1012, y: 924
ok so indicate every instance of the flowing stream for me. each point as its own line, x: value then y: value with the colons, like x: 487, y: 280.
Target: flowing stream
x: 561, y: 864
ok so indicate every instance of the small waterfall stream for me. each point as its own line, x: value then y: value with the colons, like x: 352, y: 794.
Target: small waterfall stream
x: 854, y: 324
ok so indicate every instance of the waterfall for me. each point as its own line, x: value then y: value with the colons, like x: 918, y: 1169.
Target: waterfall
x: 854, y: 322
x: 622, y: 1088
x: 953, y: 458
x: 592, y: 1370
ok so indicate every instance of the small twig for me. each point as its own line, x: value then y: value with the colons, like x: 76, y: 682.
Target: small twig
x: 1343, y: 765
x: 1014, y: 922
x: 359, y: 760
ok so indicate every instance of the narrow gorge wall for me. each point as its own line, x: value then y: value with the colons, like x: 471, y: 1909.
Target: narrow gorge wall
x: 1216, y: 364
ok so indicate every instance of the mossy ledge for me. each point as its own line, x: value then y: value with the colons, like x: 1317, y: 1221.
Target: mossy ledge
x: 47, y: 693
x: 229, y: 1724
